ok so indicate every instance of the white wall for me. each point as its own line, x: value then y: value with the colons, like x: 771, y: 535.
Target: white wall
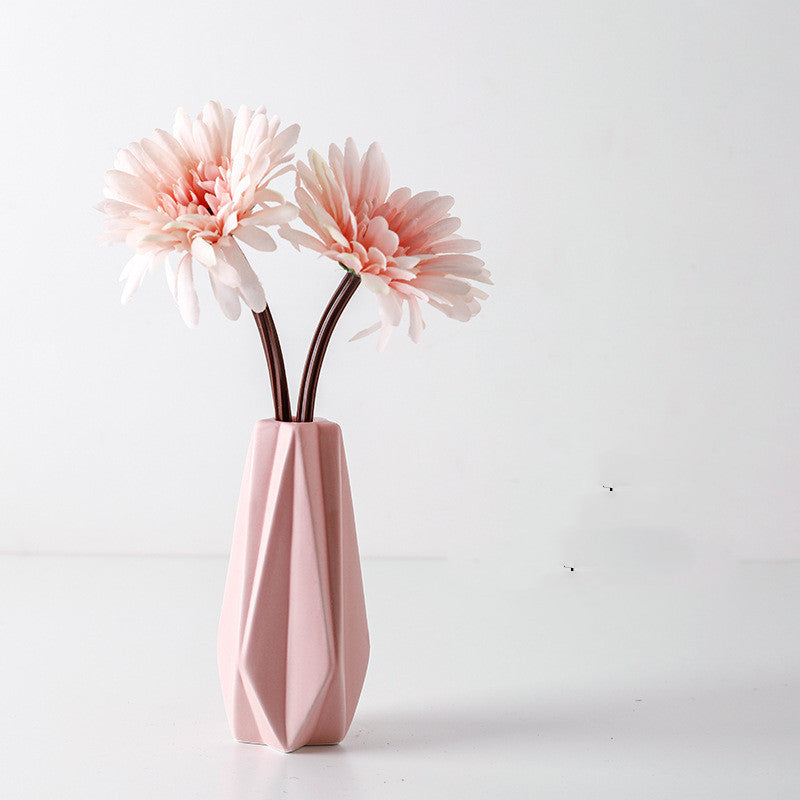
x: 633, y: 172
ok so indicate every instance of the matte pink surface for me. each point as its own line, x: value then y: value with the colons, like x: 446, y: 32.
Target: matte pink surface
x: 293, y: 642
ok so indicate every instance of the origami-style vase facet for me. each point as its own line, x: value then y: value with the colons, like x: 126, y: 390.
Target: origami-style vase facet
x: 293, y: 642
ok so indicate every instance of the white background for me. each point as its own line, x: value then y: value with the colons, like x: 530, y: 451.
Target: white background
x: 632, y: 172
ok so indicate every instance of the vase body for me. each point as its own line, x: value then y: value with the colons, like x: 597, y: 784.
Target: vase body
x: 293, y: 644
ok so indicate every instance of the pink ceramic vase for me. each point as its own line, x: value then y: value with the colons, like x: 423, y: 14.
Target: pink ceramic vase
x: 293, y: 642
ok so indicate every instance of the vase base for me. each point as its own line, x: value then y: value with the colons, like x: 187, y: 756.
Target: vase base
x: 279, y: 749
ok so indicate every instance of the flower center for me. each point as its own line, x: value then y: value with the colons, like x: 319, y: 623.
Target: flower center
x: 202, y: 189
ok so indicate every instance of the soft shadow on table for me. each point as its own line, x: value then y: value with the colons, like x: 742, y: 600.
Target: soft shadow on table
x: 426, y: 727
x: 690, y: 708
x: 752, y: 713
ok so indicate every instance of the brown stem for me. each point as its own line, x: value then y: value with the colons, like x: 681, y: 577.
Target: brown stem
x: 319, y: 344
x: 277, y: 370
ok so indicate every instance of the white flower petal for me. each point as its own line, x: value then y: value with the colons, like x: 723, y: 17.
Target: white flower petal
x: 374, y: 283
x: 227, y: 297
x: 185, y: 293
x: 133, y: 274
x: 391, y: 308
x: 350, y: 260
x: 231, y: 221
x: 250, y: 288
x: 172, y: 279
x: 203, y: 251
x: 386, y: 332
x: 416, y: 323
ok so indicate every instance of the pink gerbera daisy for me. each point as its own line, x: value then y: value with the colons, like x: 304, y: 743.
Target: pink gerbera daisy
x: 404, y: 246
x: 195, y: 192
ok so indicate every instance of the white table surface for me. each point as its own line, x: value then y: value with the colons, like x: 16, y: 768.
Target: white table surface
x: 485, y: 681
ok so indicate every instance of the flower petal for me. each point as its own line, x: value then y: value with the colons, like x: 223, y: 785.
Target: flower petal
x: 415, y: 322
x: 227, y: 297
x: 203, y: 251
x: 250, y: 288
x: 391, y: 308
x: 129, y: 189
x: 366, y: 331
x: 374, y: 283
x: 300, y: 239
x: 275, y: 215
x: 185, y: 293
x: 255, y: 237
x: 133, y: 274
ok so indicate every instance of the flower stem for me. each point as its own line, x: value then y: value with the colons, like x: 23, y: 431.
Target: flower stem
x: 277, y: 370
x: 319, y: 344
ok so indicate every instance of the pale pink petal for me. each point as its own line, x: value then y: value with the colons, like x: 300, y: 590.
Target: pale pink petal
x: 172, y: 279
x: 169, y: 166
x: 186, y: 294
x: 455, y: 245
x: 377, y: 258
x: 285, y: 140
x: 250, y: 288
x: 126, y: 161
x: 129, y: 189
x: 352, y: 170
x: 277, y: 215
x: 390, y: 307
x: 256, y: 132
x: 442, y: 285
x: 350, y: 260
x: 413, y: 206
x: 394, y: 203
x: 440, y: 229
x: 269, y: 196
x: 257, y: 238
x: 416, y: 323
x: 223, y: 271
x: 203, y: 251
x: 182, y: 130
x: 371, y: 168
x: 240, y: 126
x: 300, y: 239
x: 133, y: 274
x: 115, y: 208
x: 214, y: 118
x: 227, y: 297
x: 231, y: 221
x: 386, y: 332
x: 367, y: 331
x: 203, y: 143
x: 430, y: 213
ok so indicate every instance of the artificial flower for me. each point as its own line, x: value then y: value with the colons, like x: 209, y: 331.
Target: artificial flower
x: 404, y: 246
x: 197, y: 193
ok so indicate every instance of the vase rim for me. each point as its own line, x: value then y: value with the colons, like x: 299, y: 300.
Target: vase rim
x: 294, y: 423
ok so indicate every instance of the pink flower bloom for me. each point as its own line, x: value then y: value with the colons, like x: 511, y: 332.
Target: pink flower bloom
x: 195, y: 193
x: 403, y: 246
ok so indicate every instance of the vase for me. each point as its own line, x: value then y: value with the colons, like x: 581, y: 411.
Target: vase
x: 293, y: 643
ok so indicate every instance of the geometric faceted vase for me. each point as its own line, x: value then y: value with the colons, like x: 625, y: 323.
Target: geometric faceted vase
x: 293, y: 643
